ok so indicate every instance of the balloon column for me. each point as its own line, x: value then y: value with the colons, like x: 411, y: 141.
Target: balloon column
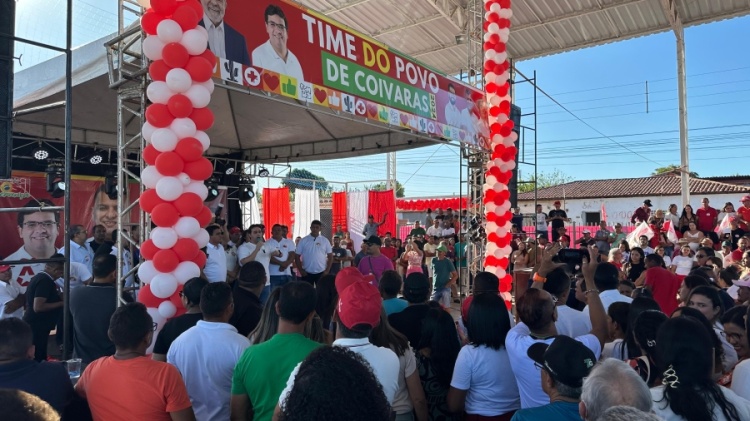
x: 180, y: 71
x: 496, y: 195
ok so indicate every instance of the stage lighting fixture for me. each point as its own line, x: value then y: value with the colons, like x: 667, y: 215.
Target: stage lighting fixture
x: 229, y: 171
x: 246, y: 192
x: 40, y: 153
x: 213, y: 189
x: 263, y: 172
x: 55, y: 179
x: 110, y: 185
x: 96, y: 158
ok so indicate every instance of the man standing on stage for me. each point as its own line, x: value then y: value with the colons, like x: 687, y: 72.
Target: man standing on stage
x: 371, y: 227
x: 314, y: 255
x: 642, y: 213
x: 557, y: 217
x: 44, y: 305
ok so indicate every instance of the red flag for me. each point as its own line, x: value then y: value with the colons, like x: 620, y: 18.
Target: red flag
x: 604, y: 213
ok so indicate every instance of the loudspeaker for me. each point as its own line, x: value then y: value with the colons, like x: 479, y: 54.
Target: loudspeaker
x: 7, y: 22
x: 515, y: 116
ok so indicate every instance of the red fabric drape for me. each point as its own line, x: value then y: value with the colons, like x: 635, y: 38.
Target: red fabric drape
x: 380, y: 203
x: 339, y: 211
x: 276, y: 208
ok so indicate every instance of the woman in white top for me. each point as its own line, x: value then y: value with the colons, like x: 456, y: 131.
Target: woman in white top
x: 706, y: 299
x: 693, y: 236
x: 672, y: 216
x: 660, y: 251
x: 727, y: 210
x: 482, y: 383
x: 682, y: 264
x: 688, y: 392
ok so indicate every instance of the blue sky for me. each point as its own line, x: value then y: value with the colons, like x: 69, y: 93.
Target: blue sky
x: 604, y: 86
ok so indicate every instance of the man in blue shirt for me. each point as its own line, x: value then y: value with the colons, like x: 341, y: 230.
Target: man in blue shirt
x: 563, y: 364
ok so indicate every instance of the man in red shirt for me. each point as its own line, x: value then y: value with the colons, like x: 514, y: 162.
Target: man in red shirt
x: 743, y: 212
x: 742, y: 247
x: 661, y: 282
x: 388, y: 250
x: 707, y: 218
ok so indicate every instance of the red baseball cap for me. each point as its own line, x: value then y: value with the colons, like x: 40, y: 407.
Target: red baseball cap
x: 235, y: 230
x: 346, y: 277
x: 3, y: 268
x: 360, y: 303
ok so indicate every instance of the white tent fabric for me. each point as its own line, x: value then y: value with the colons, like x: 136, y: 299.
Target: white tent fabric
x: 357, y: 202
x: 251, y: 212
x: 306, y: 210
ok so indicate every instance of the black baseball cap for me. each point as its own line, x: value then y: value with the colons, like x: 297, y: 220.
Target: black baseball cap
x: 416, y: 282
x: 567, y: 360
x: 374, y: 239
x: 647, y: 202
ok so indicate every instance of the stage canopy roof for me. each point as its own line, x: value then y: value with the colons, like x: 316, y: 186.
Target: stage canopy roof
x: 266, y: 129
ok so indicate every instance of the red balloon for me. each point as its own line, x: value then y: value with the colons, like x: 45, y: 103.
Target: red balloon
x: 175, y: 55
x: 196, y: 6
x: 149, y: 21
x: 177, y: 300
x: 494, y: 111
x: 204, y: 216
x: 149, y: 199
x: 169, y: 164
x: 199, y: 170
x: 503, y: 241
x: 504, y: 4
x: 490, y: 260
x: 209, y: 56
x: 148, y: 250
x: 200, y: 259
x: 164, y: 215
x: 492, y: 237
x: 189, y: 149
x: 490, y: 216
x: 499, y: 47
x: 203, y: 118
x: 188, y: 204
x: 158, y: 115
x: 185, y: 16
x: 494, y: 38
x: 150, y: 154
x: 493, y: 17
x: 505, y: 194
x: 148, y: 299
x: 166, y: 261
x: 489, y: 195
x: 200, y: 69
x: 164, y: 7
x: 158, y: 70
x: 186, y: 249
x: 180, y: 106
x: 490, y: 87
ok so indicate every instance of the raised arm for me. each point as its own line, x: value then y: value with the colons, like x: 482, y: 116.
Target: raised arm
x: 596, y: 309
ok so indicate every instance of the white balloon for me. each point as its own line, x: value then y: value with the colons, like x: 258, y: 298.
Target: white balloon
x: 198, y: 188
x: 167, y: 309
x: 202, y: 30
x: 209, y: 84
x: 486, y: 37
x: 163, y: 285
x: 202, y: 238
x: 505, y: 13
x: 203, y: 139
x: 508, y: 141
x: 145, y: 3
x: 501, y: 57
x: 179, y: 80
x: 147, y: 131
x: 500, y: 274
x: 502, y: 118
x: 495, y: 100
x: 511, y: 165
x: 158, y: 92
x: 164, y: 140
x: 169, y: 188
x: 186, y: 271
x: 187, y: 227
x: 490, y: 207
x: 146, y: 272
x: 513, y: 136
x: 159, y: 320
x: 199, y: 96
x: 495, y: 7
x: 490, y: 76
x: 169, y: 31
x: 152, y: 47
x: 150, y: 176
x: 498, y: 254
x: 498, y: 187
x: 493, y: 28
x: 185, y: 179
x: 195, y: 41
x: 163, y: 237
x: 183, y: 127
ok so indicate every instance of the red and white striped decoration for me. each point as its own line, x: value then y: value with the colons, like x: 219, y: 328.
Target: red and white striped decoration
x: 502, y: 141
x: 180, y: 91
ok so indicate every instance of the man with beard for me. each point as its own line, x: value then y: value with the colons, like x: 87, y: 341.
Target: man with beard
x: 223, y: 40
x: 274, y: 55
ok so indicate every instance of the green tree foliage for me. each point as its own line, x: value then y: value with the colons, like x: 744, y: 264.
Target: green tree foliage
x: 554, y: 178
x: 400, y: 191
x: 672, y: 168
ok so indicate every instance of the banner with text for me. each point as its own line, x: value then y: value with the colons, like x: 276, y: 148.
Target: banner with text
x: 286, y: 49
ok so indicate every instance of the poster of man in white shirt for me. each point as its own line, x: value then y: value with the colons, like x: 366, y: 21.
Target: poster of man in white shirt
x: 273, y: 54
x: 39, y: 231
x: 223, y: 40
x: 452, y: 113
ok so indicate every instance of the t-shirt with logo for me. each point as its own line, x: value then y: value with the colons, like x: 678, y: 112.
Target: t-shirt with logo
x: 339, y: 252
x: 706, y: 218
x: 557, y: 223
x: 285, y: 246
x: 22, y: 274
x: 541, y: 221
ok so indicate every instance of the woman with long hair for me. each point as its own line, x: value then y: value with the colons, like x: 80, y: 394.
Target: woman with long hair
x: 269, y: 320
x: 628, y: 348
x: 686, y: 218
x: 646, y: 326
x: 520, y: 257
x: 693, y: 236
x: 683, y: 263
x: 741, y: 374
x: 410, y: 395
x: 413, y: 257
x: 661, y: 251
x: 706, y: 300
x: 617, y: 317
x: 635, y: 265
x: 436, y: 355
x: 481, y: 385
x: 625, y: 249
x: 684, y: 357
x: 735, y: 333
x: 715, y: 340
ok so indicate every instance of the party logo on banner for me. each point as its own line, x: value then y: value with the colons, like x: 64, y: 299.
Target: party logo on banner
x: 15, y: 187
x: 320, y: 94
x: 288, y: 86
x: 348, y: 103
x: 252, y: 77
x: 271, y: 82
x: 306, y: 91
x: 230, y: 71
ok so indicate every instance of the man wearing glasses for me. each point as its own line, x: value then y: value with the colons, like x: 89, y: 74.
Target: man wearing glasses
x: 39, y: 231
x: 274, y: 55
x: 223, y: 40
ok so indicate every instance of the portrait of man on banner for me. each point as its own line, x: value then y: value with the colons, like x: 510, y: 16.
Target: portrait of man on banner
x: 274, y: 55
x: 39, y: 232
x: 223, y: 40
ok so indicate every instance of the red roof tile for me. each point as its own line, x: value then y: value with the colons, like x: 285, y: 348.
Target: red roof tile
x: 660, y: 185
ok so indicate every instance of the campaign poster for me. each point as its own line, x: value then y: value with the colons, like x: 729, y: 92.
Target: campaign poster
x: 285, y: 49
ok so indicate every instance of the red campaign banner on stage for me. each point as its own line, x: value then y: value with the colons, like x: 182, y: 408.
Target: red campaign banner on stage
x: 89, y: 206
x: 339, y: 212
x: 285, y: 49
x: 276, y: 208
x: 379, y: 203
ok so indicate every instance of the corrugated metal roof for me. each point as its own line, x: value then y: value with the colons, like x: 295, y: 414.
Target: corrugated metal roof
x: 426, y: 29
x: 660, y: 185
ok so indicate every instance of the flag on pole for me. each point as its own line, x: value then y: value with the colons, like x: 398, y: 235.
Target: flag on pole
x: 671, y: 235
x: 604, y: 213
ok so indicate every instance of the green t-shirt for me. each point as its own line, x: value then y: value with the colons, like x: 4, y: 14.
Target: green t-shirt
x: 263, y: 370
x: 417, y: 232
x: 441, y: 272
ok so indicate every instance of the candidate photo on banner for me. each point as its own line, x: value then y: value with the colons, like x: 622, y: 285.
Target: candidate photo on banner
x: 223, y: 40
x: 274, y: 54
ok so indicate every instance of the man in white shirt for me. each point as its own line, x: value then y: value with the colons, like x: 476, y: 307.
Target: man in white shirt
x: 606, y: 281
x: 452, y: 113
x: 536, y: 309
x: 570, y: 322
x: 216, y: 261
x: 39, y: 231
x: 643, y: 243
x: 256, y: 250
x: 231, y: 250
x: 280, y: 268
x: 314, y: 255
x: 274, y: 55
x: 206, y: 354
x: 541, y: 222
x: 435, y: 230
x: 80, y: 250
x: 11, y: 301
x: 429, y: 250
x: 223, y: 40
